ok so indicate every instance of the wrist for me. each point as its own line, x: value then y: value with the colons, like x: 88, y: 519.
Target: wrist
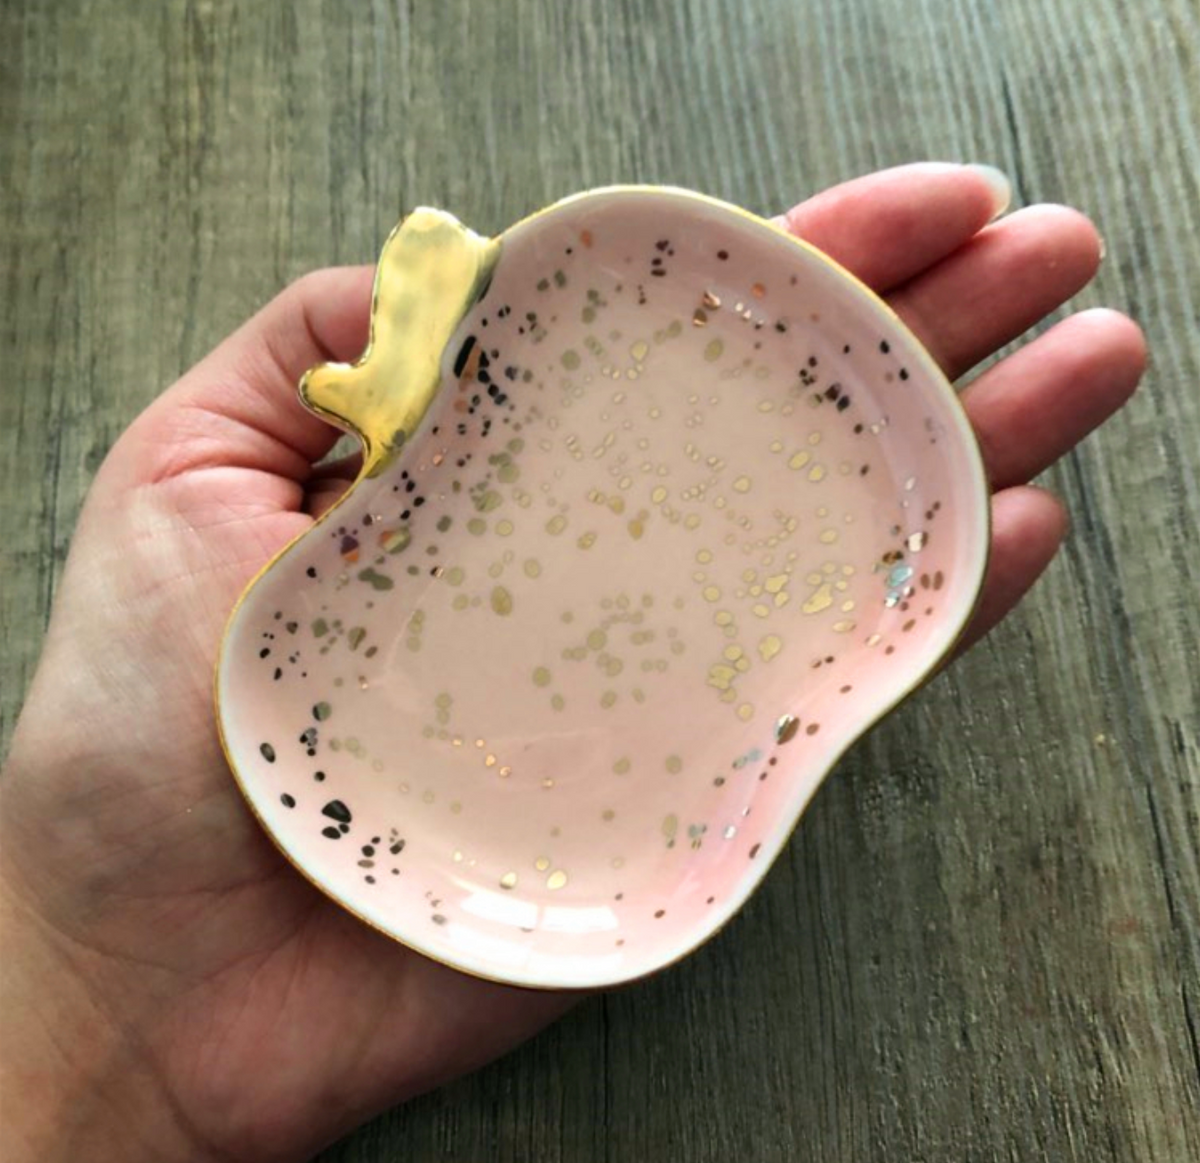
x: 76, y: 1081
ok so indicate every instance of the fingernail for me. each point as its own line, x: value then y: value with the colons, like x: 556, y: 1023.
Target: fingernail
x: 999, y: 185
x: 1103, y: 247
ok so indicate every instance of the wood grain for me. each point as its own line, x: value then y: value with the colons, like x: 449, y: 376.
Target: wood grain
x: 984, y: 941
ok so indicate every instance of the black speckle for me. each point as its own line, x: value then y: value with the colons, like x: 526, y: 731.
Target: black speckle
x: 278, y: 673
x: 722, y: 255
x: 264, y: 652
x: 268, y: 752
x: 368, y: 850
x: 287, y: 800
x: 311, y: 571
x: 331, y: 832
x: 319, y: 776
x: 397, y: 848
x: 884, y: 346
x: 336, y: 810
x: 903, y: 373
x: 464, y: 353
x: 843, y: 403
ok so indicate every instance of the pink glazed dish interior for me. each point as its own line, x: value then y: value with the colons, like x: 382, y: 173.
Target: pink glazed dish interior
x: 688, y: 512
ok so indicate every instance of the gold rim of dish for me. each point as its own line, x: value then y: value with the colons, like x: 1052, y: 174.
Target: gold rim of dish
x: 925, y: 675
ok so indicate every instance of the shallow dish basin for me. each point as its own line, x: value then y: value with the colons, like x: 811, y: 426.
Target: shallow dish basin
x: 661, y: 510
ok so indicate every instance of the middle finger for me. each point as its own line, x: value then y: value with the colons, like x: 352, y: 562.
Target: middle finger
x: 1002, y: 282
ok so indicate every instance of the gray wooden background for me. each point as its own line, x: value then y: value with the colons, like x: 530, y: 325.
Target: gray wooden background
x: 984, y: 942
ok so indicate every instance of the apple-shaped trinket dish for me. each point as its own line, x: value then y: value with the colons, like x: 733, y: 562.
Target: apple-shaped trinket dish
x: 660, y: 511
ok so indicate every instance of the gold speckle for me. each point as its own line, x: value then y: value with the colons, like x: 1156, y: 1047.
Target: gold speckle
x: 769, y: 647
x: 556, y: 524
x: 586, y: 540
x: 745, y: 712
x: 775, y: 584
x: 504, y: 528
x: 669, y: 827
x: 457, y: 857
x: 699, y: 317
x: 608, y: 699
x: 674, y: 764
x: 659, y: 495
x: 508, y: 880
x: 786, y: 728
x: 821, y: 599
x: 799, y: 459
x: 639, y: 350
x: 502, y: 602
x: 816, y: 473
x: 597, y: 640
x: 713, y: 350
x: 556, y: 880
x: 844, y: 627
x: 828, y: 536
x: 741, y: 485
x: 542, y: 863
x: 570, y: 360
x: 477, y: 526
x: 711, y: 593
x: 621, y: 766
x: 607, y: 815
x: 533, y: 567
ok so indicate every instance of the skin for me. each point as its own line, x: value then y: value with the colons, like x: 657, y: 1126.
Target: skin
x: 167, y: 996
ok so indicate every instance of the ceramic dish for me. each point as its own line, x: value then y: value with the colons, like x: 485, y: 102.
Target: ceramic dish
x: 661, y: 511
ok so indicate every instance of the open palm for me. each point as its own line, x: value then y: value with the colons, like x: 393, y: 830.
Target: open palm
x: 263, y: 1019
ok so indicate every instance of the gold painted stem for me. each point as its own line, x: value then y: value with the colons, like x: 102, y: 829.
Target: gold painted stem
x: 432, y: 271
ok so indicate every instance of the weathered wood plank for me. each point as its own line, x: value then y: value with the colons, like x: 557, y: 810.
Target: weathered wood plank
x: 985, y: 940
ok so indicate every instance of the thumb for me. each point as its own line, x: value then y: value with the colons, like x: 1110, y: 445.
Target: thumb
x: 239, y: 407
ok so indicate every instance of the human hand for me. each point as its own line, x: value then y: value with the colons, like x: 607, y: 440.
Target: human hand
x: 172, y: 988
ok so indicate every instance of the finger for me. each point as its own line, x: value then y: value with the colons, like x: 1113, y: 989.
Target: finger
x: 239, y: 406
x: 1002, y: 282
x: 323, y: 493
x: 1028, y: 526
x: 1037, y: 404
x: 889, y: 226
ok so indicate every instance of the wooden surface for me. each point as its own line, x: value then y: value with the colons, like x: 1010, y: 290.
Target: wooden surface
x: 984, y: 941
